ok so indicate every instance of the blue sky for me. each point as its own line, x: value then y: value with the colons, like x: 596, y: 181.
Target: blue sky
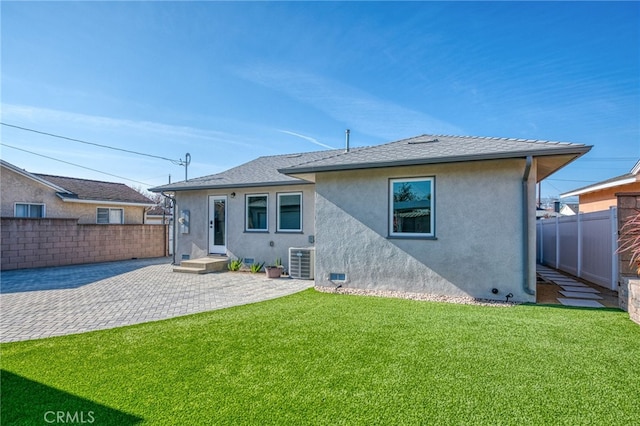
x: 228, y: 82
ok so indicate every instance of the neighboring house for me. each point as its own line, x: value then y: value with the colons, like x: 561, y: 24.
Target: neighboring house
x: 569, y: 209
x: 34, y: 195
x: 416, y: 215
x: 558, y: 209
x: 602, y: 195
x: 158, y: 215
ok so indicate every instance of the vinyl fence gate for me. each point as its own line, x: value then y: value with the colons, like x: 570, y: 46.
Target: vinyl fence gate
x: 583, y: 245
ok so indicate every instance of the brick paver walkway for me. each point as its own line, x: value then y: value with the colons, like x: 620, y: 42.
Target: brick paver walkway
x: 49, y: 302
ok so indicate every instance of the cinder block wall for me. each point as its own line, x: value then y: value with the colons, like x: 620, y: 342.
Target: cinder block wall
x: 34, y: 243
x: 629, y: 291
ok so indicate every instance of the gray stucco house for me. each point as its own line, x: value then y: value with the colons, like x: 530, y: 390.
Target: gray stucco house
x: 444, y: 215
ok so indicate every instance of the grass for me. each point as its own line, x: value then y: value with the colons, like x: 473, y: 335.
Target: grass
x: 315, y: 358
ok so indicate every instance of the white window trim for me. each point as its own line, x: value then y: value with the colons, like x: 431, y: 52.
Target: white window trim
x: 15, y: 209
x: 432, y: 215
x: 246, y: 213
x: 278, y: 215
x: 109, y: 209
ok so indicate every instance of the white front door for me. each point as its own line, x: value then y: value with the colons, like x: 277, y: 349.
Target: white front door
x: 218, y: 224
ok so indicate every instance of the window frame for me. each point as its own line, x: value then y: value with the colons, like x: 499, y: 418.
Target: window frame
x: 432, y: 222
x: 279, y: 195
x: 109, y: 209
x: 246, y: 213
x: 29, y: 205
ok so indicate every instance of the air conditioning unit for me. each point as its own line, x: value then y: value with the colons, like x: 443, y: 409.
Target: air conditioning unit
x: 302, y: 263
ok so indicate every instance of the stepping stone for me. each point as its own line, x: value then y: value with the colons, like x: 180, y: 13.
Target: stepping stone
x: 579, y: 289
x: 579, y: 295
x: 580, y: 303
x: 569, y: 282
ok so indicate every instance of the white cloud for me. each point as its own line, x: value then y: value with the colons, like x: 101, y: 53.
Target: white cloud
x: 356, y: 108
x: 308, y: 138
x: 22, y: 114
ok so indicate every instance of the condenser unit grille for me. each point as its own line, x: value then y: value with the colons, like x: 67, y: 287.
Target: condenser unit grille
x: 301, y: 263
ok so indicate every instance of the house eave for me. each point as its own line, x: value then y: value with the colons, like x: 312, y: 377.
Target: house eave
x: 599, y: 187
x: 28, y: 175
x: 105, y: 202
x: 577, y: 152
x: 227, y: 186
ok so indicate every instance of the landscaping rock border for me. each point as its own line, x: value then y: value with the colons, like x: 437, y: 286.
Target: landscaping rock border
x: 416, y: 296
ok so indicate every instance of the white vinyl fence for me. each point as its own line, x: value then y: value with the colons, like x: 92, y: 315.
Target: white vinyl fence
x: 583, y: 245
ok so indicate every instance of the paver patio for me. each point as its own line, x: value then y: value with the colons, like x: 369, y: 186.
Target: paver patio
x: 47, y: 302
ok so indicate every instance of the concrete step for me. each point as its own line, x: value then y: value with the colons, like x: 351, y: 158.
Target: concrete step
x: 203, y: 265
x: 186, y: 270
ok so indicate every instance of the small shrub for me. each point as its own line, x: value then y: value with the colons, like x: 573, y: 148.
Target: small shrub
x: 235, y: 264
x: 630, y: 240
x: 256, y: 267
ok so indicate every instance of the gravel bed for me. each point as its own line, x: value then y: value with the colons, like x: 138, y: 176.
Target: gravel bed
x: 416, y: 296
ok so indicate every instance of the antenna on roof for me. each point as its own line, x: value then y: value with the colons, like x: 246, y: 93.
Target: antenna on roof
x: 347, y: 132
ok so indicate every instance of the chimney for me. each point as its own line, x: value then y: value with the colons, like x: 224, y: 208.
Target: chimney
x: 347, y: 132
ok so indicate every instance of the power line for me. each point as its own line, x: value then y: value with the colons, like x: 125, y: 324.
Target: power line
x: 176, y: 162
x: 73, y: 164
x: 571, y: 180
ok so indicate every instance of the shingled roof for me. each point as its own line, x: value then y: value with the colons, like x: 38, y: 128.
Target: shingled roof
x: 625, y: 179
x: 262, y: 171
x: 431, y: 149
x: 92, y: 190
x: 425, y: 149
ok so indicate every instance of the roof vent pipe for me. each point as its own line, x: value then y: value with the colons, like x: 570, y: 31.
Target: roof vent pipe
x: 347, y: 132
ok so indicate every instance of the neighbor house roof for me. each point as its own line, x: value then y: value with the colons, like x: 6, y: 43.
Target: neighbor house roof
x: 432, y: 149
x: 624, y: 179
x: 31, y: 176
x: 425, y: 149
x: 159, y: 211
x: 92, y: 191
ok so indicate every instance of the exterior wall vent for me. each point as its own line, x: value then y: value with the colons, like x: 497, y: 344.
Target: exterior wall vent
x: 302, y: 263
x: 337, y: 276
x: 416, y: 142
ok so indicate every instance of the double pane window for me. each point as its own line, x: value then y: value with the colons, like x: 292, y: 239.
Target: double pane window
x: 110, y: 216
x: 29, y: 210
x: 411, y: 207
x: 290, y: 212
x: 257, y: 216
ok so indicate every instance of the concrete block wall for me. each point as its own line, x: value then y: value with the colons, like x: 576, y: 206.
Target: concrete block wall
x: 629, y: 297
x: 34, y: 243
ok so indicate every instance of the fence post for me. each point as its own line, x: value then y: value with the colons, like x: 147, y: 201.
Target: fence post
x: 580, y: 245
x: 557, y: 237
x: 613, y: 215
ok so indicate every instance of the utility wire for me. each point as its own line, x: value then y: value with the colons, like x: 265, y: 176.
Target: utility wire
x: 73, y: 164
x: 176, y: 162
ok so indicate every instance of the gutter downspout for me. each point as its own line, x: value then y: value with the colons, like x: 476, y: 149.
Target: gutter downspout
x: 525, y: 226
x: 173, y: 217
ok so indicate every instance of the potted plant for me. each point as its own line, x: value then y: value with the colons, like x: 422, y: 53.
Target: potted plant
x: 274, y: 271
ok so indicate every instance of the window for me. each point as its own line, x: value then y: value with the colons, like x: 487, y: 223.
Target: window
x: 290, y: 212
x: 256, y: 208
x: 411, y: 207
x: 110, y: 216
x: 29, y: 210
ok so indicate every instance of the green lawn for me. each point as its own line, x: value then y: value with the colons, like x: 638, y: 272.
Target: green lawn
x: 315, y: 358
